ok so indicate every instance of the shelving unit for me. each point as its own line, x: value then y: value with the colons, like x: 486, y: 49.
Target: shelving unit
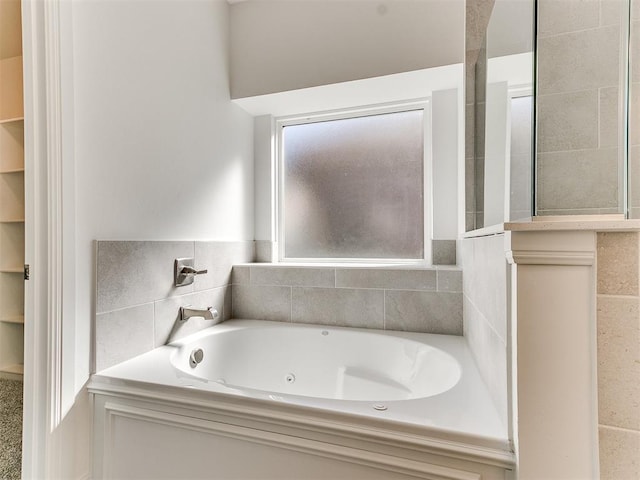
x: 11, y: 192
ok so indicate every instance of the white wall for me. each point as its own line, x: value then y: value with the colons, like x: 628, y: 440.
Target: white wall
x: 280, y: 45
x: 157, y: 149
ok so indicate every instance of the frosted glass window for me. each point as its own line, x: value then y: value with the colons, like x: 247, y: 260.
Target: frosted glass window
x: 353, y: 188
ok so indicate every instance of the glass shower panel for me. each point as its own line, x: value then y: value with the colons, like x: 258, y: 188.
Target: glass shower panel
x: 521, y: 157
x: 353, y: 188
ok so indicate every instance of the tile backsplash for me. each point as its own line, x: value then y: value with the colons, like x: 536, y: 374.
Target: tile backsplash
x: 392, y: 298
x: 137, y: 304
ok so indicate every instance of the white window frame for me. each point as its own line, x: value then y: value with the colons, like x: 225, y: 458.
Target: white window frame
x: 285, y: 121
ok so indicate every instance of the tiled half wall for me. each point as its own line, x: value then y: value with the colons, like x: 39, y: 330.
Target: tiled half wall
x: 485, y: 312
x: 416, y: 300
x: 137, y: 304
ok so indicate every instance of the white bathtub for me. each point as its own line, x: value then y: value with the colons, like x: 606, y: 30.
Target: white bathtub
x: 317, y: 362
x: 428, y: 383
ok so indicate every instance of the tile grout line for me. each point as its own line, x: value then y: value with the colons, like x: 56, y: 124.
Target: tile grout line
x: 620, y: 429
x: 582, y: 30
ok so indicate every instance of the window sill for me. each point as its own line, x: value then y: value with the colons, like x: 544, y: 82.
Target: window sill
x: 346, y: 265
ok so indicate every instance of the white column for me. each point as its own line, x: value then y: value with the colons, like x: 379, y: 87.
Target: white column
x: 555, y: 389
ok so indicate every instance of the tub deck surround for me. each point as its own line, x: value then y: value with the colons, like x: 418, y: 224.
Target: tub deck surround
x: 405, y: 298
x: 460, y: 423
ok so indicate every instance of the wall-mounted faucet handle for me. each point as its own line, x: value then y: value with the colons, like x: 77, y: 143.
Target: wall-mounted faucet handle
x: 184, y: 272
x: 188, y: 270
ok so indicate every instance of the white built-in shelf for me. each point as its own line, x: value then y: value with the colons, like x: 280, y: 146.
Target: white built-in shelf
x: 12, y: 212
x: 19, y: 319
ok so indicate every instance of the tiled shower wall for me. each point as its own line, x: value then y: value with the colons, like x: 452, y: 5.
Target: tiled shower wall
x: 618, y: 318
x: 579, y: 98
x: 137, y: 304
x: 485, y: 312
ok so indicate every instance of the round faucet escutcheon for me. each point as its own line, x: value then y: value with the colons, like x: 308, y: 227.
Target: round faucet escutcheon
x: 196, y: 357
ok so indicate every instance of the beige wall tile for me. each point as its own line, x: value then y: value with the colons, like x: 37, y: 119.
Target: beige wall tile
x: 619, y: 361
x: 397, y: 279
x: 449, y: 279
x: 618, y: 256
x: 479, y: 139
x: 338, y: 306
x: 218, y: 258
x: 261, y: 302
x: 609, y: 117
x: 470, y: 221
x: 430, y: 312
x: 469, y: 130
x: 264, y: 251
x: 578, y: 179
x: 477, y: 17
x: 132, y: 273
x: 568, y: 121
x: 470, y: 77
x: 443, y: 252
x: 167, y: 326
x: 634, y: 114
x: 122, y: 335
x: 485, y: 278
x: 635, y: 50
x: 619, y: 458
x: 634, y: 176
x: 562, y: 16
x: 240, y: 275
x: 469, y: 183
x: 613, y: 12
x: 293, y: 276
x: 490, y: 354
x: 563, y: 66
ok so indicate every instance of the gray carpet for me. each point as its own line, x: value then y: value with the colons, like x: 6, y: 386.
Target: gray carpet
x: 10, y: 429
